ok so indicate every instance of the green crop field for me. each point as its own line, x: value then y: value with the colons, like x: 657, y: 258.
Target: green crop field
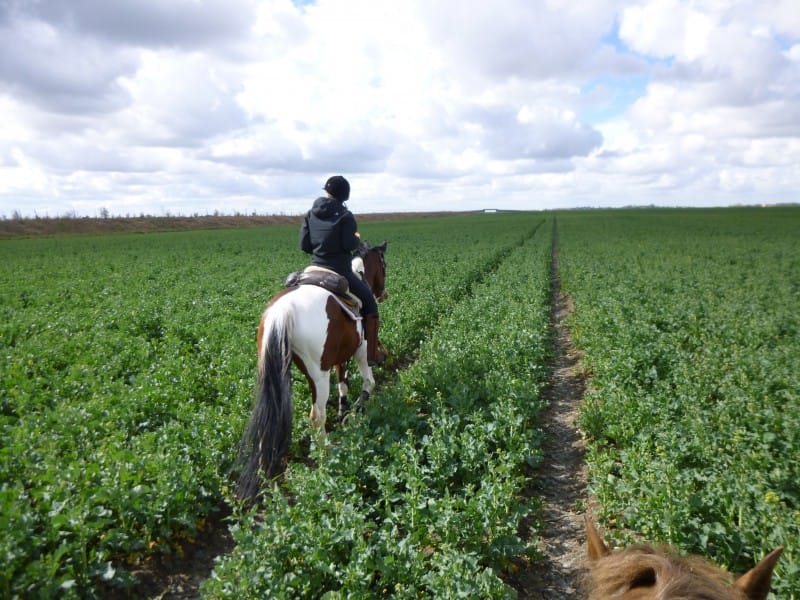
x: 689, y: 321
x: 128, y: 367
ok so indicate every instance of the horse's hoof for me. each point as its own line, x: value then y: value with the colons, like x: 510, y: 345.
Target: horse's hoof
x: 361, y: 402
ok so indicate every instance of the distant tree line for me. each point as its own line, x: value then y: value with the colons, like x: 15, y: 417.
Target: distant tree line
x: 104, y: 213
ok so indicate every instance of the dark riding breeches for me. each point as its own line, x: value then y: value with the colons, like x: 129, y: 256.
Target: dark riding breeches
x: 362, y: 291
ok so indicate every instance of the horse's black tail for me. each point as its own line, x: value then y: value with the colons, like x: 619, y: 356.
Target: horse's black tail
x: 267, y: 438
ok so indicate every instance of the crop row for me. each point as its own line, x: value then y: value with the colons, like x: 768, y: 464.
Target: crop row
x: 127, y: 375
x: 420, y: 496
x: 124, y: 386
x: 689, y: 322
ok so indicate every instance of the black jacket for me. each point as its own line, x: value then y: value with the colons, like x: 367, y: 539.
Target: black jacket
x: 329, y: 234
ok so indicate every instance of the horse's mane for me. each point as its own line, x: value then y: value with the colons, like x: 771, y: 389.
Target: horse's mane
x: 646, y: 572
x: 632, y: 572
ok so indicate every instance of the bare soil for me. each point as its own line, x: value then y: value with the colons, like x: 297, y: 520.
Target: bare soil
x: 178, y: 576
x: 560, y: 480
x: 58, y: 226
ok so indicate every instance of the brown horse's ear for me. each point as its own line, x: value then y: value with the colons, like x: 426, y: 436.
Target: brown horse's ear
x: 756, y: 582
x: 597, y: 547
x: 382, y: 247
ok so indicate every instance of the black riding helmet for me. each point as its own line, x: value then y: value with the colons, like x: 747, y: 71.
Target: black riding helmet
x: 338, y: 187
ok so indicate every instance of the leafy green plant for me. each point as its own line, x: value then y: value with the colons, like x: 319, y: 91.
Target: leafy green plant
x: 431, y: 475
x: 127, y: 376
x: 686, y: 322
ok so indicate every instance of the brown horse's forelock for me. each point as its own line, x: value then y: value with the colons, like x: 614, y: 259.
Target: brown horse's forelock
x: 645, y: 573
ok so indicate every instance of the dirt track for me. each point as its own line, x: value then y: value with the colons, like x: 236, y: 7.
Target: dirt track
x: 559, y: 483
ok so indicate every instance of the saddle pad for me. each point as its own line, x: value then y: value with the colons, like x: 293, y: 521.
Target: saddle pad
x: 350, y: 309
x: 316, y: 269
x: 329, y: 280
x: 333, y: 282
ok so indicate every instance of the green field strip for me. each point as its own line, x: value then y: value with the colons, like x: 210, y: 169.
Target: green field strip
x: 470, y: 251
x: 120, y: 352
x: 689, y: 324
x: 420, y: 495
x: 128, y: 366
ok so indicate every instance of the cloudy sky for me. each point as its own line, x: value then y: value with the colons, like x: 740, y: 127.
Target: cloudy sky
x: 194, y: 106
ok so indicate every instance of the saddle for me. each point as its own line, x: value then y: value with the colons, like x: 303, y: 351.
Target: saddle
x: 329, y: 280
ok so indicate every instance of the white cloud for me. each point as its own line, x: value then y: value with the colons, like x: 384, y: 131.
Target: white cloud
x: 181, y: 99
x: 249, y: 104
x: 186, y: 23
x: 60, y: 72
x: 517, y: 39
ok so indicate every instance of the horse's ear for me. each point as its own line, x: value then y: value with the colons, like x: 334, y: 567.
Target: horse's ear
x: 382, y: 247
x: 756, y: 582
x: 597, y: 547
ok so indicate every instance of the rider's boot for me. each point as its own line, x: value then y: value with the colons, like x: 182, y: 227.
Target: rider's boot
x: 374, y: 354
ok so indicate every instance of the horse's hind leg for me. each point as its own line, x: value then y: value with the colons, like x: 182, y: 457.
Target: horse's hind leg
x: 321, y: 382
x: 343, y: 382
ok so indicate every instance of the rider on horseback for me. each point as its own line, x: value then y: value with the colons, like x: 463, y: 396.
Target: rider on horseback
x: 329, y: 233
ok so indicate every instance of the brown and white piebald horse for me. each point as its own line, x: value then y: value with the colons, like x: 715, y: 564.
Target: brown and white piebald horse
x: 645, y: 572
x: 307, y: 325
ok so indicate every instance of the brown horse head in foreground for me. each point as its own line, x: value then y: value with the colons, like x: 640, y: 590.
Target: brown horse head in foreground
x: 645, y: 572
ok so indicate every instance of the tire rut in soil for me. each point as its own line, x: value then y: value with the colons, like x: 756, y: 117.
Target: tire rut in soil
x: 559, y: 482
